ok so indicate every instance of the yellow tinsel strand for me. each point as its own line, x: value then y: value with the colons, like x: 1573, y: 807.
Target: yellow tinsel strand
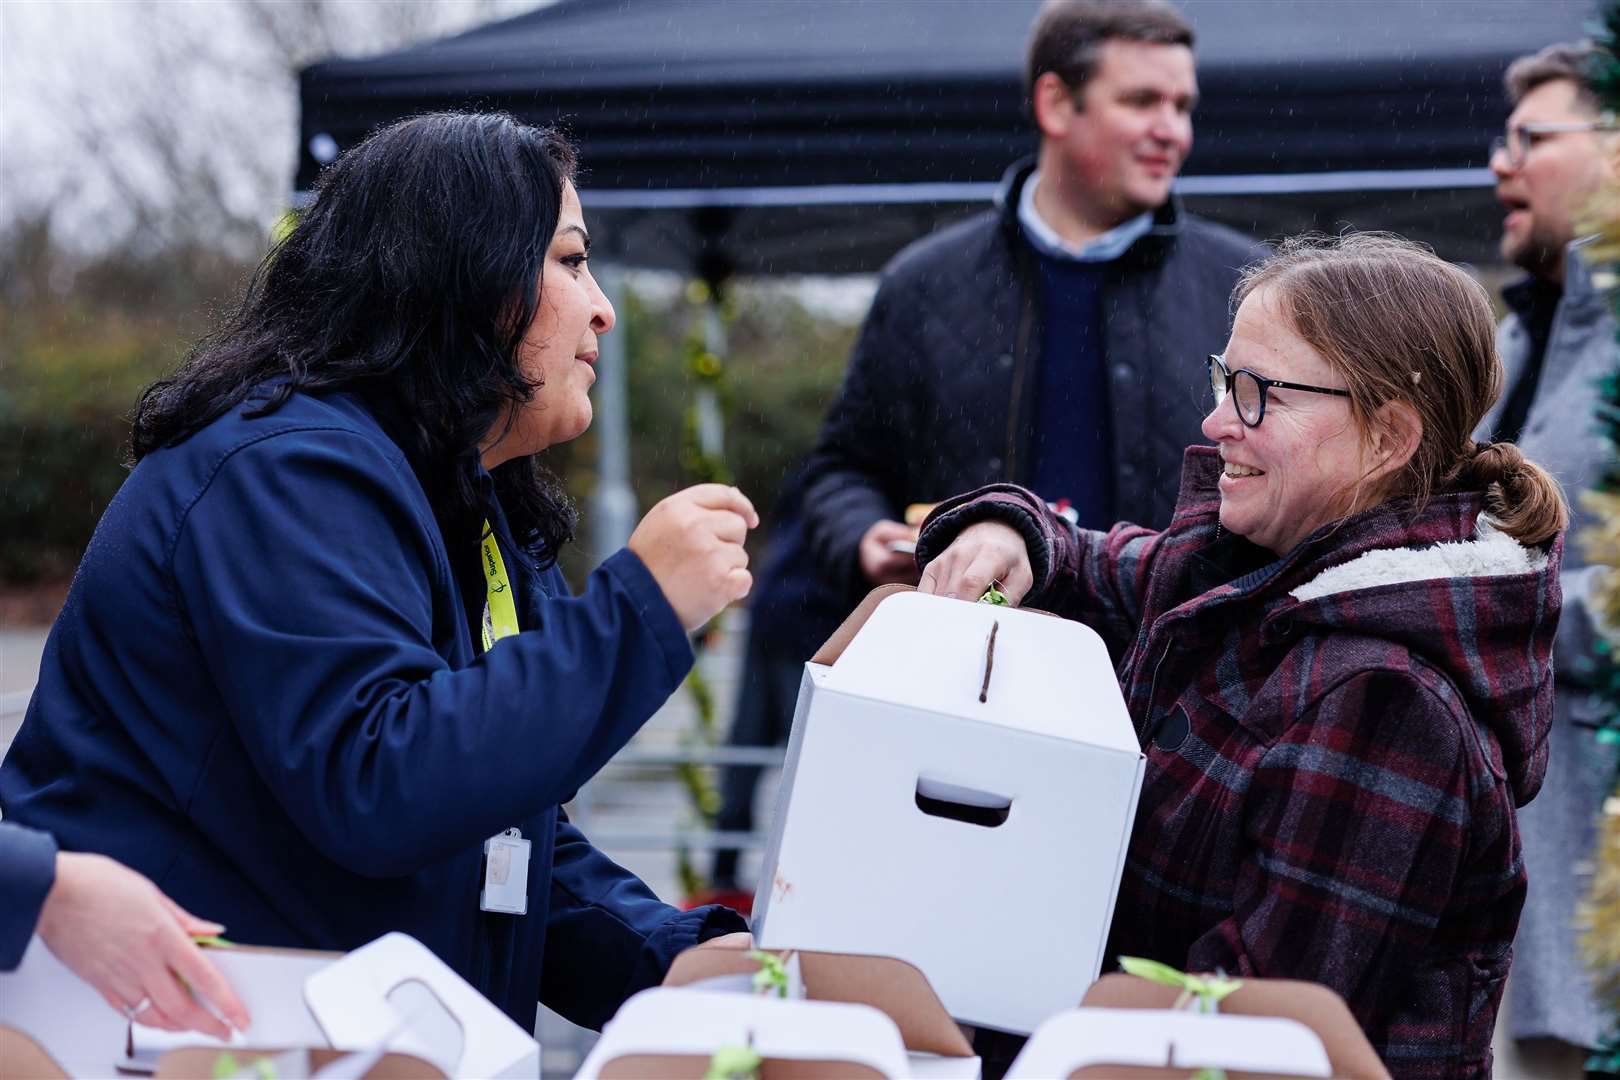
x: 1599, y: 914
x: 1601, y: 543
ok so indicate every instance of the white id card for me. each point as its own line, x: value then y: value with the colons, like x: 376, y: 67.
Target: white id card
x: 506, y: 874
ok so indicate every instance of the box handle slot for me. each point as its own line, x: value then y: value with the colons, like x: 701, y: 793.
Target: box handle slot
x: 957, y: 802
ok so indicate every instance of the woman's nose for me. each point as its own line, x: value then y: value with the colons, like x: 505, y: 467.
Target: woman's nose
x: 1222, y: 423
x: 602, y: 316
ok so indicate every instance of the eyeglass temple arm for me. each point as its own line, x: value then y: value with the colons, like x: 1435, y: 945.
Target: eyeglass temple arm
x: 1301, y: 386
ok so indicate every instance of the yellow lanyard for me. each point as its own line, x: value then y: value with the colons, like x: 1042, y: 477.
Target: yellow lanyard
x: 500, y: 614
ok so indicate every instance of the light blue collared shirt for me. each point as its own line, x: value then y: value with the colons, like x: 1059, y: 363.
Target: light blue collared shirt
x: 1099, y: 249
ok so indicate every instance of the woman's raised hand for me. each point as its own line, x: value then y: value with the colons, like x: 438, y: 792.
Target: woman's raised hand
x: 125, y: 938
x: 980, y: 554
x: 692, y: 542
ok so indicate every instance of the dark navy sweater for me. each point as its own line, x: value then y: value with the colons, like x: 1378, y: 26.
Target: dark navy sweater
x: 1073, y: 439
x: 263, y: 694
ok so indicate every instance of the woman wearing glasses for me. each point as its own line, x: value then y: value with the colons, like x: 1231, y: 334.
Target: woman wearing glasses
x: 1338, y: 656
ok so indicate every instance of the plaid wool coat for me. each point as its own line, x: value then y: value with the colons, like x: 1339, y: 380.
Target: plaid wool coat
x: 1336, y: 743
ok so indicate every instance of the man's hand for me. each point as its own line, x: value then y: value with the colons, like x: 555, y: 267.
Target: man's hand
x: 692, y: 543
x: 980, y: 554
x: 121, y: 935
x: 883, y: 566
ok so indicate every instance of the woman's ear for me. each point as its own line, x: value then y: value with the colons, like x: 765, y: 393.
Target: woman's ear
x: 1396, y: 435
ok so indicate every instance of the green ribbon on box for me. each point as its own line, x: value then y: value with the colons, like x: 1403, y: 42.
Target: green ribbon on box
x: 772, y: 976
x: 1203, y: 992
x: 225, y: 1067
x: 734, y: 1063
x: 994, y: 595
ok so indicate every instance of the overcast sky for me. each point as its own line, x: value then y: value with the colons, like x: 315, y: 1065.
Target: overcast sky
x: 103, y: 104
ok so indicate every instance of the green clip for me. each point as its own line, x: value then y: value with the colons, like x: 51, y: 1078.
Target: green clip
x: 226, y: 1066
x: 1205, y: 992
x: 734, y: 1063
x: 772, y: 975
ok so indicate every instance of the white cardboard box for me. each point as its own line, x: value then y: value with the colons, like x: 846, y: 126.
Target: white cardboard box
x: 393, y: 989
x: 1006, y: 914
x: 936, y: 1048
x: 69, y: 1019
x: 671, y: 1032
x: 1176, y: 1038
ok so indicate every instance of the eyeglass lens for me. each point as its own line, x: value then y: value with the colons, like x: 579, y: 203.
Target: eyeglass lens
x: 1244, y: 386
x: 1511, y: 144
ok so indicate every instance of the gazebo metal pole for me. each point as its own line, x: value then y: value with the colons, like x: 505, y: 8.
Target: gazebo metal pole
x: 613, y: 503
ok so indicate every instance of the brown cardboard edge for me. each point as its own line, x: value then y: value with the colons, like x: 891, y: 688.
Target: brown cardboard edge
x: 835, y: 645
x: 197, y: 1063
x: 21, y: 1058
x: 1312, y: 1004
x: 894, y: 987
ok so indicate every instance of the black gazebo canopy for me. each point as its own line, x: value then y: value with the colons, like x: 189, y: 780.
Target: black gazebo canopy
x: 799, y: 136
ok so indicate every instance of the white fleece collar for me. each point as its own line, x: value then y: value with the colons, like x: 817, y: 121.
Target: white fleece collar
x: 1491, y: 553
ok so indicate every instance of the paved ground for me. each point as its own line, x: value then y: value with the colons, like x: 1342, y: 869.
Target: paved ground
x: 20, y: 649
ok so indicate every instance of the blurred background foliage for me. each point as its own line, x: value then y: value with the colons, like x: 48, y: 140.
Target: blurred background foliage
x: 81, y: 335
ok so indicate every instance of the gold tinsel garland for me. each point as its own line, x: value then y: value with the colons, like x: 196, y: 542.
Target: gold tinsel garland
x: 1602, y: 908
x: 1599, y: 915
x: 1601, y: 544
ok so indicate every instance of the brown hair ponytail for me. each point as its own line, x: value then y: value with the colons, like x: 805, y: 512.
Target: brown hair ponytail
x: 1401, y: 325
x: 1522, y: 498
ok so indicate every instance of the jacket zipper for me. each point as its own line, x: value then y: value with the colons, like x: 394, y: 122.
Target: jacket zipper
x: 1149, y: 725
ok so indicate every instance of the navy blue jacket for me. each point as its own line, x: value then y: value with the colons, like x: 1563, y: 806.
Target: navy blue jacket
x: 263, y: 693
x: 27, y: 871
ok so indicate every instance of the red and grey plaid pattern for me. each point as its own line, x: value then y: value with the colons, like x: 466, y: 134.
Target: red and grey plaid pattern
x: 1331, y: 784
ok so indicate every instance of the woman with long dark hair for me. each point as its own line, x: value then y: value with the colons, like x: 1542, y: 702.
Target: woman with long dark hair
x: 318, y: 675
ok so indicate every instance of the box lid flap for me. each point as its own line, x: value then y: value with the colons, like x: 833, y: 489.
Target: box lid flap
x: 897, y: 989
x: 664, y: 1031
x: 1002, y: 665
x: 397, y: 982
x: 1312, y: 1004
x: 1171, y: 1038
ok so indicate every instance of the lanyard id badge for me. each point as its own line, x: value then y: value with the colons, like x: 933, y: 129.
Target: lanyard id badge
x: 500, y: 613
x: 506, y: 874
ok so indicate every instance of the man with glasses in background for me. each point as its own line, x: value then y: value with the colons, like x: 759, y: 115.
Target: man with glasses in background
x: 1559, y: 155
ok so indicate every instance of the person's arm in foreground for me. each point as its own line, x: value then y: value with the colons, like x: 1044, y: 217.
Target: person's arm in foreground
x: 1007, y: 534
x: 309, y: 581
x: 114, y: 929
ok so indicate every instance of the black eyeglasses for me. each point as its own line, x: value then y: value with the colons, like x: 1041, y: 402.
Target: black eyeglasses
x: 1249, y: 390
